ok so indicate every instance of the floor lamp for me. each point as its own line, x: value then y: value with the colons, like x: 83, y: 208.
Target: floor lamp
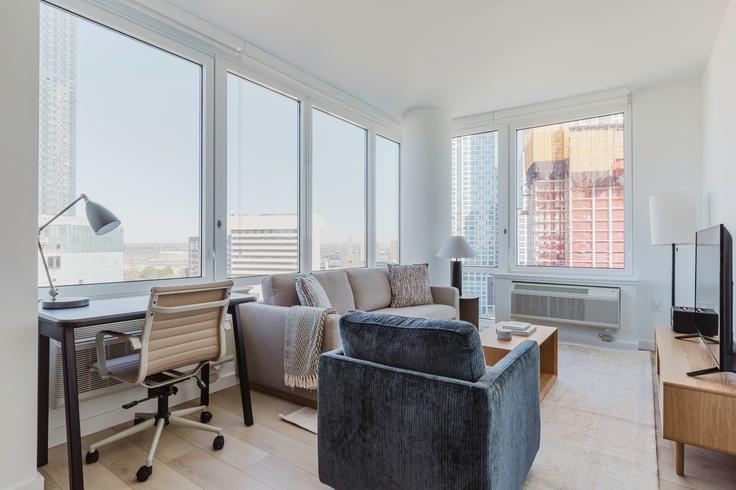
x: 672, y: 222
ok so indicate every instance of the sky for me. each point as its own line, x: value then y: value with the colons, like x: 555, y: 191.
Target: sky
x: 138, y: 147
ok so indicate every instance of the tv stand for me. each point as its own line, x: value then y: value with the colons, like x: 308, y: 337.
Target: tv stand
x: 694, y: 410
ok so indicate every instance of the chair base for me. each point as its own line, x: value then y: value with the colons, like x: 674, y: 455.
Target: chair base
x: 159, y: 420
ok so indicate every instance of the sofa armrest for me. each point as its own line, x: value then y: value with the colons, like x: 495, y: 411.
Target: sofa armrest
x: 446, y: 295
x: 261, y: 315
x: 513, y: 398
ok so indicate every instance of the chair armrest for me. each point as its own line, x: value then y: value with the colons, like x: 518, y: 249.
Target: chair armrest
x: 446, y: 295
x: 513, y: 398
x: 133, y: 340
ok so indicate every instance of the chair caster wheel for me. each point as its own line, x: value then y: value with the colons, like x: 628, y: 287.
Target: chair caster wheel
x: 205, y: 417
x: 138, y: 420
x: 92, y: 457
x: 143, y: 473
x: 218, y: 443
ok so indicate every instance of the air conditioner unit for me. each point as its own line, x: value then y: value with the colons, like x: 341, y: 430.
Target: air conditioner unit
x: 89, y: 383
x: 598, y: 307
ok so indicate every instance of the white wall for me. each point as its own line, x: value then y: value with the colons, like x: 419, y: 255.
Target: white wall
x: 719, y: 126
x: 18, y: 214
x: 667, y: 153
x: 425, y: 189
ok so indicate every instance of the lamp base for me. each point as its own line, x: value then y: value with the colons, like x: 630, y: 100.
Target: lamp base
x: 70, y: 302
x: 456, y: 275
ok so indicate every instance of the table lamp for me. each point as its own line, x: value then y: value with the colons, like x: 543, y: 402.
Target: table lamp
x: 456, y: 248
x: 102, y: 221
x: 672, y: 222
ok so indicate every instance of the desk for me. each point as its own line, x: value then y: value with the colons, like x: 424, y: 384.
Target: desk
x: 695, y: 410
x: 60, y: 324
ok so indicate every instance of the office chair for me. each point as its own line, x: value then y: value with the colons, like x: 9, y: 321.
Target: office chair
x: 182, y: 333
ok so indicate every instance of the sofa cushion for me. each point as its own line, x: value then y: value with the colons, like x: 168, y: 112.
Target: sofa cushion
x: 440, y: 312
x: 447, y: 348
x: 338, y: 290
x: 409, y: 285
x: 280, y: 290
x: 371, y: 288
x: 311, y: 293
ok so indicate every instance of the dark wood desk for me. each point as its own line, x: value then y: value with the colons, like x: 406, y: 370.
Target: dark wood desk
x: 60, y: 325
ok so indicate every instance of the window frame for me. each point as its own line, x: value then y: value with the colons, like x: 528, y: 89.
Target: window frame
x: 220, y: 55
x: 557, y: 116
x: 379, y: 133
x: 502, y: 242
x: 124, y: 26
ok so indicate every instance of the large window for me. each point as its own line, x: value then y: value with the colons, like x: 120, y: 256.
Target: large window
x: 387, y: 201
x: 475, y: 210
x: 570, y: 194
x: 262, y: 180
x: 121, y: 121
x: 338, y: 192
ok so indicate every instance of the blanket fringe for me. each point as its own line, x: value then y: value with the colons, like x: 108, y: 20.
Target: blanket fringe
x: 307, y: 382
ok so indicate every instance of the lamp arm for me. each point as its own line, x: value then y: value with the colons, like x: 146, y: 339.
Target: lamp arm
x: 53, y: 292
x: 81, y: 196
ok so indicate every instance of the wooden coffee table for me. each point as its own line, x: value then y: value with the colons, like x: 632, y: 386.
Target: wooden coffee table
x: 495, y: 350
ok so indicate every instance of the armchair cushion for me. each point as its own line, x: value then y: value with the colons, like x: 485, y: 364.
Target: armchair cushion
x: 446, y: 348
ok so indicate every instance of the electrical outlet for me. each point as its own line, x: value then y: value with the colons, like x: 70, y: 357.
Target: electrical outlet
x: 657, y: 305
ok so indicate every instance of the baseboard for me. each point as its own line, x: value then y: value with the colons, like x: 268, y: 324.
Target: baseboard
x: 100, y: 421
x: 299, y: 400
x: 646, y: 345
x: 35, y: 483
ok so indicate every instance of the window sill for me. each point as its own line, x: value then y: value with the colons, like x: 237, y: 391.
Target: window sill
x: 587, y: 280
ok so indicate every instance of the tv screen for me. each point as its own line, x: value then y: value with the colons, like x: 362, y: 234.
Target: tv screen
x: 714, y: 294
x: 708, y: 283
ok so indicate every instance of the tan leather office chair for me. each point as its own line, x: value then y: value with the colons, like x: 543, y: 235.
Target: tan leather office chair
x: 183, y: 332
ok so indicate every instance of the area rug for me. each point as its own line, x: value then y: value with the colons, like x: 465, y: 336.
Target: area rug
x: 597, y: 423
x: 305, y: 417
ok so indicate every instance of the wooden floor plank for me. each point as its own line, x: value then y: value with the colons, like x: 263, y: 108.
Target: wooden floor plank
x: 279, y: 474
x: 211, y: 473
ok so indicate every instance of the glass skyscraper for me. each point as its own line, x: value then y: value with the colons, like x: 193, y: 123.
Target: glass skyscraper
x: 475, y: 211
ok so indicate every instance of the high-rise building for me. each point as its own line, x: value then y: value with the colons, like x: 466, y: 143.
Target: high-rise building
x: 572, y: 194
x: 74, y: 254
x: 475, y: 209
x: 263, y: 244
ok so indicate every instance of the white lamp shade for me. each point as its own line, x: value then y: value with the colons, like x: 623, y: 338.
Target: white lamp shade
x: 456, y: 247
x: 672, y: 218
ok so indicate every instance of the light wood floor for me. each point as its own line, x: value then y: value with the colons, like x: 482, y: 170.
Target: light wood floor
x: 270, y: 454
x: 275, y: 454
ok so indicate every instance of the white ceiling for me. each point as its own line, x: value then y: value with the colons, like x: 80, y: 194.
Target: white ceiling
x: 473, y: 56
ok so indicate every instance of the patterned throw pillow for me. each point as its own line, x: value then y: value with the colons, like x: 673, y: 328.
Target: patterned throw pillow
x: 311, y: 292
x: 409, y: 285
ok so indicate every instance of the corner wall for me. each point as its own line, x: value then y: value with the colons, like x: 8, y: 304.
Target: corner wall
x: 425, y: 189
x: 19, y: 217
x: 719, y: 127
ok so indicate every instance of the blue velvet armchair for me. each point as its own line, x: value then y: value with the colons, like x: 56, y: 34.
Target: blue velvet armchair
x: 409, y: 403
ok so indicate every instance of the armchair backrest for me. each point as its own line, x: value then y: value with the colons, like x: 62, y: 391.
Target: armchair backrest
x: 184, y: 325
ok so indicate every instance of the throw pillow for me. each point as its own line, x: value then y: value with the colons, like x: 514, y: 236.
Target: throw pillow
x: 409, y: 285
x: 311, y: 292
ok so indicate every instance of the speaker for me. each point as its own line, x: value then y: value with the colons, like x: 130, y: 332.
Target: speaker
x: 684, y: 320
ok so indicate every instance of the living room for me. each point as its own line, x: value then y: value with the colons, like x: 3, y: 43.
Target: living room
x: 368, y: 245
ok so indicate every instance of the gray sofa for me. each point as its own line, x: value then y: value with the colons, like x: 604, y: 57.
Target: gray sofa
x: 352, y: 289
x: 409, y: 403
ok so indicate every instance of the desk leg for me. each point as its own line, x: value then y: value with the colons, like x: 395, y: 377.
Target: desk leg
x: 42, y: 407
x: 680, y: 458
x: 71, y: 407
x: 242, y: 365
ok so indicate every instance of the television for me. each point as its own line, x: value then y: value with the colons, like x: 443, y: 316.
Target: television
x: 714, y: 297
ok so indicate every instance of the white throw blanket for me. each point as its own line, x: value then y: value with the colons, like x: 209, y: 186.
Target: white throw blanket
x: 303, y: 345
